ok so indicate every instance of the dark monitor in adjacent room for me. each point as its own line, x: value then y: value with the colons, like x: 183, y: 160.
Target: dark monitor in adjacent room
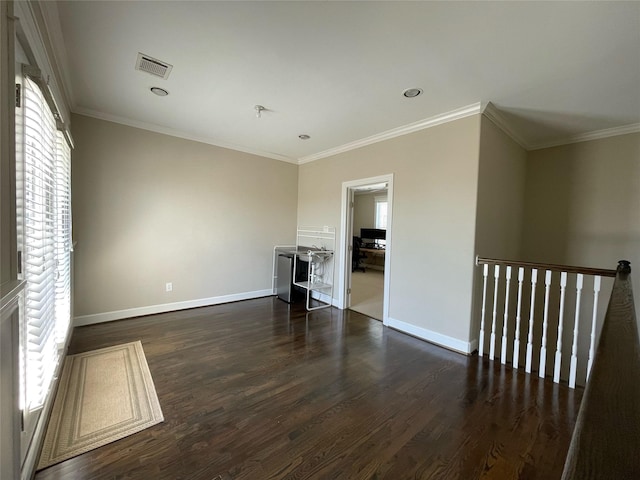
x: 375, y: 236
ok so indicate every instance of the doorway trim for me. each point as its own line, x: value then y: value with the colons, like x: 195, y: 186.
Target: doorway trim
x: 346, y: 234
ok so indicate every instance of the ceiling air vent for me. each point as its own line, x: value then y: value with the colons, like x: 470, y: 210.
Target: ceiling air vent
x: 153, y: 66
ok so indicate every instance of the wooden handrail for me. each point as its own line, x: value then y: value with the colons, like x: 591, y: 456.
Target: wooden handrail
x: 603, y: 272
x: 606, y: 439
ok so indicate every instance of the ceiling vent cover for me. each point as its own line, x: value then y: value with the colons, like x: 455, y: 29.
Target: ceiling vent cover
x: 153, y: 66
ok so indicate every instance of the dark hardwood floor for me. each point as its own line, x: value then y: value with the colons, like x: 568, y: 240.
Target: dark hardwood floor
x: 259, y: 390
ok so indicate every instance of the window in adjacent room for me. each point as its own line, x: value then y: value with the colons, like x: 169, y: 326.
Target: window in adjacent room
x: 381, y: 212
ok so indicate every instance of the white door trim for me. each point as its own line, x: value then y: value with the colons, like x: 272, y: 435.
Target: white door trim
x: 345, y: 240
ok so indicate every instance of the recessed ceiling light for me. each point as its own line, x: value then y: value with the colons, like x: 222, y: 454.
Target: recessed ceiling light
x: 304, y: 136
x: 161, y: 92
x: 412, y: 92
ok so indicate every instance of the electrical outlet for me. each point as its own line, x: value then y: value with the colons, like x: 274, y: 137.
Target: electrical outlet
x: 168, y: 287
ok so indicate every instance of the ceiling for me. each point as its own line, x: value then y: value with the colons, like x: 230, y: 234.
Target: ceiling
x: 554, y: 71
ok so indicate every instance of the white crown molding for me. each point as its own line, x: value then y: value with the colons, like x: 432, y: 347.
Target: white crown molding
x: 595, y: 135
x: 492, y: 113
x: 177, y: 133
x: 397, y: 132
x: 487, y: 109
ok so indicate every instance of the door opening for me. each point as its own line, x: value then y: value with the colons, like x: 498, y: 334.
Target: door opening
x: 366, y: 245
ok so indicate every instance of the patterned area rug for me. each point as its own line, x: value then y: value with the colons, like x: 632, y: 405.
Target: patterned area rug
x: 104, y: 395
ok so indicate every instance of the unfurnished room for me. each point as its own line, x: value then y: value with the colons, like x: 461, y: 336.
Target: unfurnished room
x: 271, y: 240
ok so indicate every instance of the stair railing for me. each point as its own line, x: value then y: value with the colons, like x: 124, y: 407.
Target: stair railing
x: 541, y: 320
x: 606, y: 439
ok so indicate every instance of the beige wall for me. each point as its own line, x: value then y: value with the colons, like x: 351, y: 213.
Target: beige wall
x: 501, y: 182
x: 434, y: 207
x: 581, y: 208
x: 364, y: 211
x: 149, y: 209
x: 582, y: 204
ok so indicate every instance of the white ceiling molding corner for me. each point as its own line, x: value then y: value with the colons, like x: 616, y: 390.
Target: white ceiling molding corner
x: 450, y: 116
x: 492, y: 113
x: 595, y: 135
x: 175, y: 133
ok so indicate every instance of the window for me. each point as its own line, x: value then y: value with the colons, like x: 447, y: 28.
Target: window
x: 44, y: 237
x: 381, y: 212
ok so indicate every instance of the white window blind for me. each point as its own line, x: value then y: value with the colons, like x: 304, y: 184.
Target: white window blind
x: 63, y: 238
x: 44, y: 224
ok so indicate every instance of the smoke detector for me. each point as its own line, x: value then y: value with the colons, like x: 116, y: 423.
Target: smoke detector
x: 146, y: 63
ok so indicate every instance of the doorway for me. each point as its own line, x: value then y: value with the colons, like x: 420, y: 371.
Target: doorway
x: 366, y: 240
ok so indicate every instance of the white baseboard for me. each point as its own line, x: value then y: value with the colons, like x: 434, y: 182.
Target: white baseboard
x: 166, y: 307
x: 324, y: 298
x: 433, y: 337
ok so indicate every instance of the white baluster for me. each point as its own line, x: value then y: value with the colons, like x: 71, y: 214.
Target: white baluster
x: 558, y: 362
x: 503, y: 358
x: 596, y: 291
x: 545, y: 325
x: 516, y: 341
x: 574, y: 347
x: 492, y: 346
x: 534, y: 279
x: 485, y: 274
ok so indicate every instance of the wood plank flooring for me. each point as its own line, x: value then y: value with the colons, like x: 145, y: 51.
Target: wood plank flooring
x: 260, y: 390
